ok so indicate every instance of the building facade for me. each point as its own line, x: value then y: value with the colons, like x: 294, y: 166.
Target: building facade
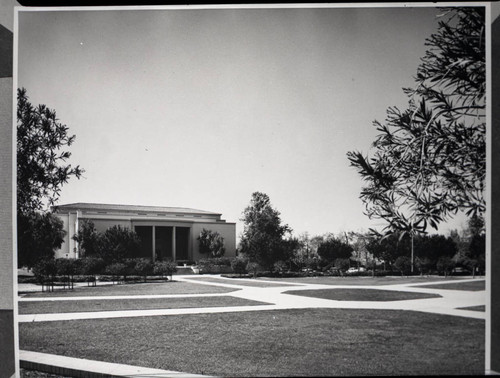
x: 165, y: 232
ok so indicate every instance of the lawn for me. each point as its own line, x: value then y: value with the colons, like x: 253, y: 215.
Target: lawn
x: 304, y: 342
x: 361, y: 280
x: 474, y: 308
x: 478, y: 285
x: 158, y: 288
x: 52, y: 307
x: 361, y: 294
x: 236, y: 281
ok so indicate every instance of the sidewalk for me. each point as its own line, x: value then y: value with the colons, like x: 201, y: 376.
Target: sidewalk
x: 448, y: 303
x: 79, y: 367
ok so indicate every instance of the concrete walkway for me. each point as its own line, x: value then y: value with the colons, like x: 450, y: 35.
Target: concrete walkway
x: 79, y: 367
x: 276, y: 295
x: 449, y: 303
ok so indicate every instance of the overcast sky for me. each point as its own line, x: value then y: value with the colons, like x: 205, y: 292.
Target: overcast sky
x: 199, y: 108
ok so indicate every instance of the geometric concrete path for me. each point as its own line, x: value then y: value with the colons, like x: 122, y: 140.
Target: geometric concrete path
x: 76, y: 367
x: 449, y: 303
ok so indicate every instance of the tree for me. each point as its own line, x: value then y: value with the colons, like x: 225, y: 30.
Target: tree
x: 445, y: 265
x: 143, y: 267
x: 88, y: 239
x: 432, y: 247
x: 403, y: 264
x: 333, y: 249
x: 211, y: 243
x: 41, y: 160
x: 429, y: 159
x: 41, y: 172
x: 38, y: 236
x: 262, y: 241
x: 388, y: 248
x: 68, y: 268
x: 119, y: 243
x: 341, y: 264
x: 91, y: 267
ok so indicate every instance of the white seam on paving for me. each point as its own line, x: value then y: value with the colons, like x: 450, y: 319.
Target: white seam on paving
x: 98, y: 367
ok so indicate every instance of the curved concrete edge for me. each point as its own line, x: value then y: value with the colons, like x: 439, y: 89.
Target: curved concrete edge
x: 79, y: 367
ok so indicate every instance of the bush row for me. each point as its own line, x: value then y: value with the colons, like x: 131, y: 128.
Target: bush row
x: 68, y: 271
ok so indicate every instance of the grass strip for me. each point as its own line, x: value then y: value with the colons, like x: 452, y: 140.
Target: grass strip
x: 361, y: 295
x: 478, y: 285
x: 474, y: 308
x: 159, y: 288
x: 236, y: 281
x: 301, y: 342
x: 131, y: 304
x: 361, y: 280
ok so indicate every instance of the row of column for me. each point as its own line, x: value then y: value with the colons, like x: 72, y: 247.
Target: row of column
x: 154, y: 243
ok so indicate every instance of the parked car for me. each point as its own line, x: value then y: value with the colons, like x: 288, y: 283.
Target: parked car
x: 356, y: 270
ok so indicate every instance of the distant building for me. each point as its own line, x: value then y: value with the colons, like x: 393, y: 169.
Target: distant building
x: 165, y: 232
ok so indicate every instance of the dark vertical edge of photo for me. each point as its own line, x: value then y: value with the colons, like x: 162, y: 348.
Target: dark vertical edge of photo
x: 494, y: 328
x: 8, y: 346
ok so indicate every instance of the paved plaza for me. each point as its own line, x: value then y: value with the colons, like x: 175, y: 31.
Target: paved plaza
x: 273, y: 293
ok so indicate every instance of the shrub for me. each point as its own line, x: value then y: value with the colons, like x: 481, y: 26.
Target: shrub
x: 403, y: 264
x: 164, y: 268
x: 252, y: 267
x: 279, y: 266
x: 215, y: 265
x: 341, y: 264
x: 45, y: 271
x: 445, y: 265
x: 91, y: 267
x: 211, y: 243
x: 143, y: 267
x: 239, y: 265
x: 116, y: 270
x: 68, y: 268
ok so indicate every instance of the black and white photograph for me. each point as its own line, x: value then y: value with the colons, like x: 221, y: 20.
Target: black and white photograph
x: 251, y: 190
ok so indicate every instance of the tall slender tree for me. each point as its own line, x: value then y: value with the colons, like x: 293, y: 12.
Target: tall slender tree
x: 263, y: 238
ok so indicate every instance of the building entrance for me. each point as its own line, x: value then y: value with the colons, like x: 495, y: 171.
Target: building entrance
x: 167, y: 242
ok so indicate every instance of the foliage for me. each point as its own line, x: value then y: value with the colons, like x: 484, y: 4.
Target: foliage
x: 389, y: 248
x: 38, y: 236
x: 215, y: 265
x: 262, y: 240
x: 45, y: 271
x: 445, y: 265
x: 279, y: 266
x: 41, y: 160
x: 434, y: 246
x: 252, y: 267
x: 341, y: 264
x: 143, y: 267
x: 403, y: 264
x: 88, y: 239
x: 68, y: 268
x: 164, y: 268
x: 119, y: 243
x: 91, y: 267
x: 116, y: 270
x: 423, y: 264
x: 211, y: 243
x: 239, y: 265
x: 333, y: 249
x: 430, y: 158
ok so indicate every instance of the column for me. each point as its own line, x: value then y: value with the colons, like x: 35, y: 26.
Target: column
x: 173, y: 243
x: 153, y: 243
